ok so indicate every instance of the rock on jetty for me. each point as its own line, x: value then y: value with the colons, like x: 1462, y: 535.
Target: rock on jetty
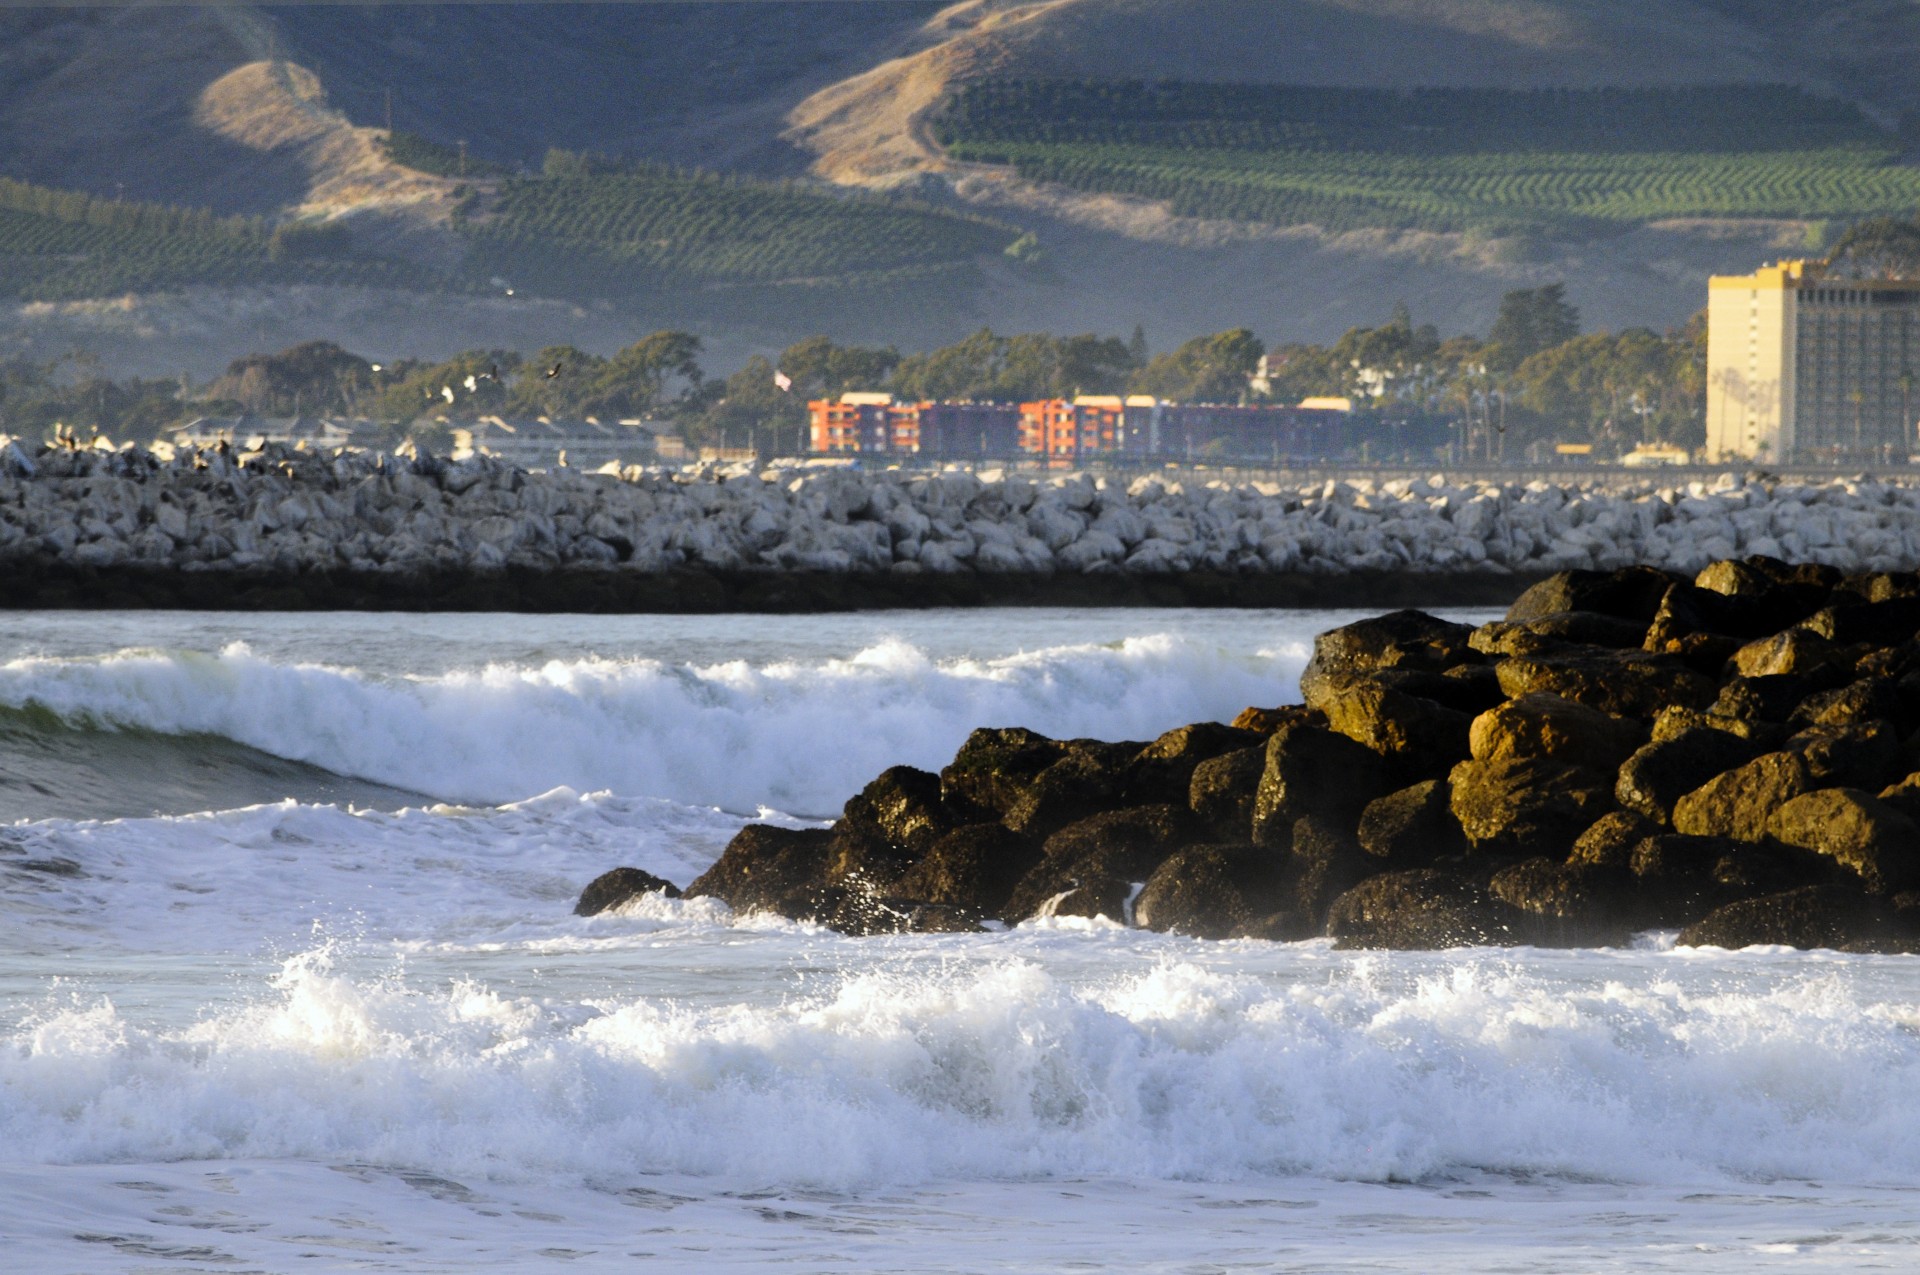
x: 1735, y: 755
x: 291, y: 511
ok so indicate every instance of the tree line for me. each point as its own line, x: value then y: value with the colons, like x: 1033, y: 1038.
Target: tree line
x: 1535, y: 377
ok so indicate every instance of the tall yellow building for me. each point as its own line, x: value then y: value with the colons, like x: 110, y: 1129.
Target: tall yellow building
x: 1803, y: 367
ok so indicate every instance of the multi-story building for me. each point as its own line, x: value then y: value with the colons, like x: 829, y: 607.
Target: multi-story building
x: 1063, y: 431
x: 1805, y: 366
x: 963, y: 431
x: 854, y: 422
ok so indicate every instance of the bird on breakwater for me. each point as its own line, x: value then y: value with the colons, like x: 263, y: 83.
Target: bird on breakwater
x: 554, y: 370
x: 492, y: 373
x: 472, y: 383
x: 447, y: 392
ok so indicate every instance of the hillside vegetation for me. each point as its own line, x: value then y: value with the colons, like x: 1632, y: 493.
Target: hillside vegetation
x: 56, y: 245
x: 1563, y: 160
x: 585, y: 230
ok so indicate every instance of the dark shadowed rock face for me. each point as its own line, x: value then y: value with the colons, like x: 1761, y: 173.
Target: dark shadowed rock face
x: 974, y: 868
x: 1655, y: 777
x: 1314, y: 770
x: 1413, y: 826
x: 770, y: 869
x: 994, y: 768
x: 1212, y: 892
x: 1812, y: 916
x: 1163, y: 770
x: 1631, y: 593
x: 1588, y: 628
x: 611, y: 889
x: 1424, y: 908
x: 1222, y: 790
x: 1102, y: 857
x: 1574, y: 904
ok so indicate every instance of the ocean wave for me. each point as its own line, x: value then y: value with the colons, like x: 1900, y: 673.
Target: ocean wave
x: 1001, y: 1069
x: 795, y: 736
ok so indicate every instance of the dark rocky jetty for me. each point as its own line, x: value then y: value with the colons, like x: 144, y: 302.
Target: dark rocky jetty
x: 1735, y: 755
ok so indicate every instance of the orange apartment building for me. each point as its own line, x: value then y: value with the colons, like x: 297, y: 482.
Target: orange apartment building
x: 1065, y: 432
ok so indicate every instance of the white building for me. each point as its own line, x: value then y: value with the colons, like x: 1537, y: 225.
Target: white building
x: 546, y: 444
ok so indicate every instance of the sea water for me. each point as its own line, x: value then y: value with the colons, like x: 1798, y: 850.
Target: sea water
x: 289, y: 980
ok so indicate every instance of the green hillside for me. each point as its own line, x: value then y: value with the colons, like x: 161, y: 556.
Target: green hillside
x: 1557, y: 160
x: 580, y: 231
x: 59, y: 245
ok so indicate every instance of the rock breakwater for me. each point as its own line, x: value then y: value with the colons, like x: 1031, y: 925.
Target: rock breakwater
x: 292, y: 517
x: 1735, y: 755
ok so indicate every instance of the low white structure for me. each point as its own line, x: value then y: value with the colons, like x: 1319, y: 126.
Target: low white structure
x: 548, y: 444
x: 246, y: 432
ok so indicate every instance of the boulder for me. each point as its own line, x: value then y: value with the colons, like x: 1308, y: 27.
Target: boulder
x: 902, y: 805
x: 974, y: 868
x: 1576, y: 904
x: 1088, y: 779
x: 611, y: 889
x: 1631, y: 593
x: 1771, y: 698
x: 1164, y: 769
x: 1676, y: 721
x: 1098, y: 861
x: 1545, y: 727
x: 1400, y: 639
x: 1882, y: 623
x: 1656, y: 776
x: 1413, y: 826
x: 1416, y: 736
x: 1518, y: 807
x: 1209, y: 892
x: 1863, y: 700
x: 1686, y: 611
x: 1791, y: 651
x: 770, y: 869
x: 1314, y: 770
x: 1324, y: 861
x: 1864, y: 756
x: 1268, y: 721
x: 1623, y: 683
x: 1590, y: 628
x: 1675, y: 876
x: 1904, y: 796
x: 1739, y: 802
x: 994, y: 767
x: 1222, y: 790
x: 1856, y: 830
x: 1610, y: 841
x: 1831, y: 916
x: 1424, y: 909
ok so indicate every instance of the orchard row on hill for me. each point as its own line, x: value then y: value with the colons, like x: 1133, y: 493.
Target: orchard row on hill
x: 1554, y: 160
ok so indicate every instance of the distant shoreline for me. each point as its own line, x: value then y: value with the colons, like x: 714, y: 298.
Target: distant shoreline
x: 54, y: 585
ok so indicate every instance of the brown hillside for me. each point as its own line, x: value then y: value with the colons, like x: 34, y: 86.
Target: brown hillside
x: 866, y: 130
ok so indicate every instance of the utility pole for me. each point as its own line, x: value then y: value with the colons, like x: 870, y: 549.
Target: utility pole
x: 389, y: 112
x: 463, y: 157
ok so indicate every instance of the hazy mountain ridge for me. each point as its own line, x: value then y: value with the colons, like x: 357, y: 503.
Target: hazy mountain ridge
x: 169, y: 104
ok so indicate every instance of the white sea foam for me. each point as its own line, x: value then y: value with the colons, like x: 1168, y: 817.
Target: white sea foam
x: 796, y: 736
x: 998, y: 1068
